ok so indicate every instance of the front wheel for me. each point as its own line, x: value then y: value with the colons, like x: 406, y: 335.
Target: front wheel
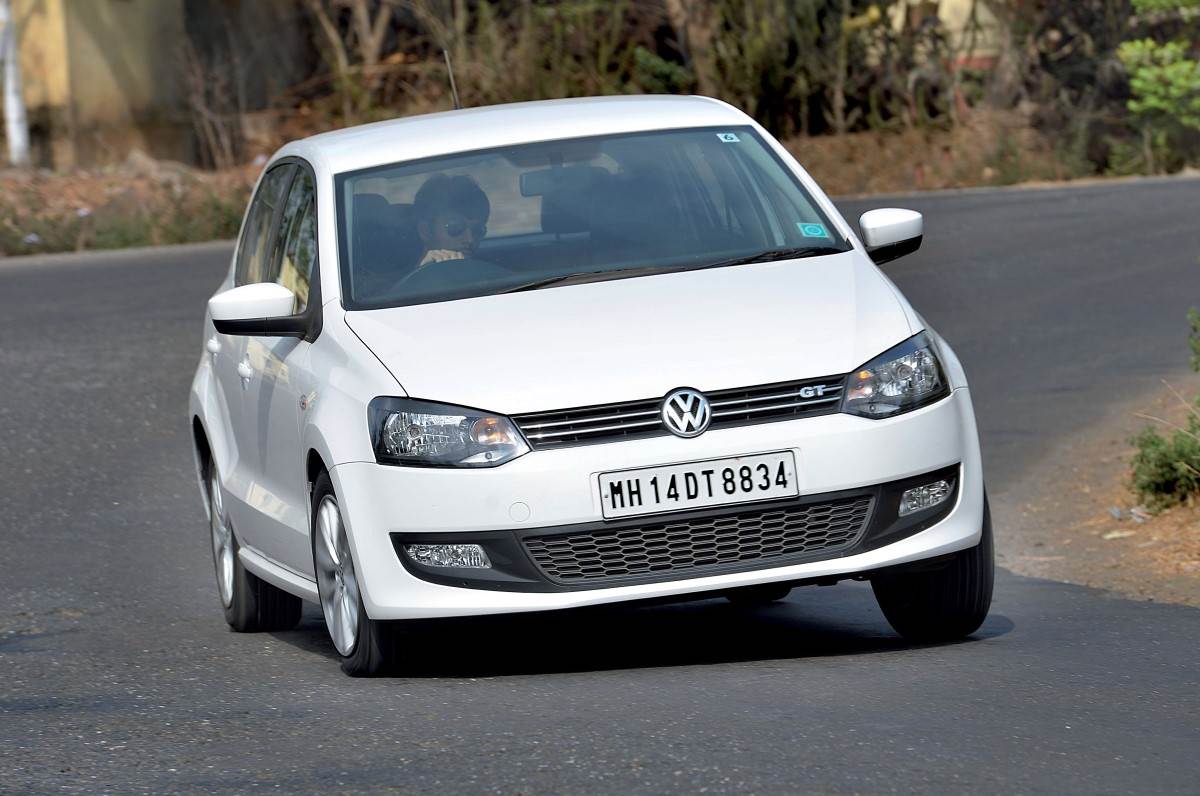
x: 367, y: 647
x: 941, y: 604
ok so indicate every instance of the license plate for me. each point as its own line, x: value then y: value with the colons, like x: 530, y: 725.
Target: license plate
x: 718, y: 482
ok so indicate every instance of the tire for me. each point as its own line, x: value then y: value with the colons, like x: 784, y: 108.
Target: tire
x: 942, y: 604
x: 759, y: 595
x: 367, y: 647
x: 251, y: 605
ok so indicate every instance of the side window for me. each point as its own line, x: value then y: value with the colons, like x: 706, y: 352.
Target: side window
x: 296, y: 253
x: 255, y: 247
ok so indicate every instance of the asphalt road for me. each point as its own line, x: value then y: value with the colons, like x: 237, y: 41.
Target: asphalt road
x: 117, y: 672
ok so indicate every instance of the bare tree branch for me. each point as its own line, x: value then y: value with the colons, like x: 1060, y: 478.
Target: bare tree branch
x: 341, y: 61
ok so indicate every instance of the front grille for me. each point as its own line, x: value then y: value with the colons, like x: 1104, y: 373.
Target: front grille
x: 741, y: 406
x: 763, y: 535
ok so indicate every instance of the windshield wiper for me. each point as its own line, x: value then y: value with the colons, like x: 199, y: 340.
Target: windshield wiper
x: 771, y: 255
x: 584, y: 277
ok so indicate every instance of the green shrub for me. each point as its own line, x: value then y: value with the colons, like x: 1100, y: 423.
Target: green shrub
x: 1164, y: 84
x: 1194, y: 338
x: 1166, y: 470
x: 656, y: 75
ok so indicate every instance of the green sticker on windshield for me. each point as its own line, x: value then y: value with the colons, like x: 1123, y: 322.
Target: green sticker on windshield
x: 729, y: 138
x: 812, y: 230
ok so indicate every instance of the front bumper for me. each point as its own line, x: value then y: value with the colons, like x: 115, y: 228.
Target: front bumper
x: 555, y: 488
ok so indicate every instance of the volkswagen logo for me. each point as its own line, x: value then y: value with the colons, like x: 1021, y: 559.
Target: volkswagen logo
x: 686, y: 412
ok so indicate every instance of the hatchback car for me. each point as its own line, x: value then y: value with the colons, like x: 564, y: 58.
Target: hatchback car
x: 558, y: 354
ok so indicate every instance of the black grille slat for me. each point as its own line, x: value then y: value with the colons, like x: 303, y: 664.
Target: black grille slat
x: 693, y: 544
x: 638, y: 419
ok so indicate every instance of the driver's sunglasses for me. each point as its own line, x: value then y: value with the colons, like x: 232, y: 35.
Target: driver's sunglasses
x: 456, y: 229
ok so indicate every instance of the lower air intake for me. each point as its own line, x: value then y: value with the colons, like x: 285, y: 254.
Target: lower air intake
x: 767, y: 535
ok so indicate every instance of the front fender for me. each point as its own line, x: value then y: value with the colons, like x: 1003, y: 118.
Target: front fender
x: 335, y: 424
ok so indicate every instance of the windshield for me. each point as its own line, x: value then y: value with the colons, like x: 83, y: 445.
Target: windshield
x: 585, y: 209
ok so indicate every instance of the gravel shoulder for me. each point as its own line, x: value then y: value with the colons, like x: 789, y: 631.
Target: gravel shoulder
x: 1059, y: 522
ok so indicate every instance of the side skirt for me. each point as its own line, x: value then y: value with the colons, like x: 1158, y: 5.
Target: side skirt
x: 282, y: 577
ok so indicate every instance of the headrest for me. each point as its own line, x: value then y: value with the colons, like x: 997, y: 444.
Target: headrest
x: 566, y: 207
x: 370, y: 208
x: 385, y: 236
x: 632, y: 215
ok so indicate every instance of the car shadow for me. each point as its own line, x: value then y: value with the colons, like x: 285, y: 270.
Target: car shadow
x: 812, y: 622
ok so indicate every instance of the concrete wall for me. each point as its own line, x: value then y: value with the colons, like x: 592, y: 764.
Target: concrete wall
x: 101, y: 78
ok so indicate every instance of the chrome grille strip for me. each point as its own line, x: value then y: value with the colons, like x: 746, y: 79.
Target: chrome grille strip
x: 771, y: 397
x: 582, y: 420
x: 774, y: 408
x: 623, y: 426
x: 764, y: 403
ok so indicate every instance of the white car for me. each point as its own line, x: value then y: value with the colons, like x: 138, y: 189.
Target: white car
x: 558, y: 354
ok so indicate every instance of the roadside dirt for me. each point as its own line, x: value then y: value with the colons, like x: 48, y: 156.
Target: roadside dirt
x: 137, y: 203
x: 1091, y: 532
x: 988, y: 148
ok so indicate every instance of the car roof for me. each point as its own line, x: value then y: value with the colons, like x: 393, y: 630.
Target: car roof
x: 434, y: 134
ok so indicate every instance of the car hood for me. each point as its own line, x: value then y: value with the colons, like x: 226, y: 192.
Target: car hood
x: 638, y: 338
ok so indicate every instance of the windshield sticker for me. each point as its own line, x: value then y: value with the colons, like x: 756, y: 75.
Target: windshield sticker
x: 812, y: 230
x: 729, y: 138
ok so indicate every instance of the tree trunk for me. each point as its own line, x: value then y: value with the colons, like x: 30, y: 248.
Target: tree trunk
x: 692, y: 23
x: 16, y: 128
x: 337, y: 49
x: 370, y: 33
x: 840, y: 69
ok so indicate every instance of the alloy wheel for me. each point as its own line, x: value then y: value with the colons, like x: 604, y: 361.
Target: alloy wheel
x: 222, y: 539
x: 337, y: 583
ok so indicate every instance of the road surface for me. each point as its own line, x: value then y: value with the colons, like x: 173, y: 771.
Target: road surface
x: 118, y: 673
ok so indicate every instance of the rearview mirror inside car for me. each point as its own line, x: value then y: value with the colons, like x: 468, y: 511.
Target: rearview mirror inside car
x: 559, y: 179
x: 891, y: 232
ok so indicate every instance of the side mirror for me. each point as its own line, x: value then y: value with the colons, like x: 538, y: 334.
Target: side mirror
x: 265, y: 309
x: 891, y: 232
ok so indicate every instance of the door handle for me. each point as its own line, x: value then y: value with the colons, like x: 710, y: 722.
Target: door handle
x: 245, y: 372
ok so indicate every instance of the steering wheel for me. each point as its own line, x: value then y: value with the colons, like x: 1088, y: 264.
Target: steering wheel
x: 442, y: 271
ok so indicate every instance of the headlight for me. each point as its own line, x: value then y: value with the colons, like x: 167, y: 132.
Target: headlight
x: 898, y: 380
x: 425, y: 434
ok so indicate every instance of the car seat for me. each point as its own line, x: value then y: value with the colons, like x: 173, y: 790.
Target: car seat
x: 385, y: 245
x: 634, y: 218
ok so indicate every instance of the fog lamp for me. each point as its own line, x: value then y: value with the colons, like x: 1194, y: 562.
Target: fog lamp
x: 466, y: 556
x: 924, y: 497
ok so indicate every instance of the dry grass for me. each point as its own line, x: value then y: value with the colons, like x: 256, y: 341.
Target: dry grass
x: 988, y: 148
x: 143, y: 202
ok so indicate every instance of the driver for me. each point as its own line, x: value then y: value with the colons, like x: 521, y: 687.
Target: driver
x: 451, y: 214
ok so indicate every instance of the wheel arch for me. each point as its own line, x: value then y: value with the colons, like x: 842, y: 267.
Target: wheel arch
x: 314, y: 465
x: 202, y: 459
x: 211, y: 441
